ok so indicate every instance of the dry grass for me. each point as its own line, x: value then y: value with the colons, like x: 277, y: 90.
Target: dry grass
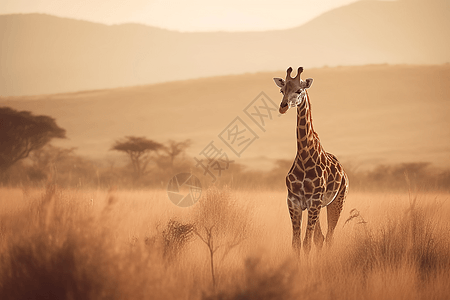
x: 67, y: 244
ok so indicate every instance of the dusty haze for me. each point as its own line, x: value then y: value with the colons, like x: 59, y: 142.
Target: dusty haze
x: 42, y: 54
x: 81, y: 221
x: 366, y: 116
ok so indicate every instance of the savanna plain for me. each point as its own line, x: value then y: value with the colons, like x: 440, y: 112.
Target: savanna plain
x: 60, y: 243
x: 78, y: 222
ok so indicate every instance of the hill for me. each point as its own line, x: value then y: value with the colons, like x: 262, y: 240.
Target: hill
x: 365, y: 115
x: 42, y: 54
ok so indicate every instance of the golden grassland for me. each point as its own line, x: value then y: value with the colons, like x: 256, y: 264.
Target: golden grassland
x: 95, y: 244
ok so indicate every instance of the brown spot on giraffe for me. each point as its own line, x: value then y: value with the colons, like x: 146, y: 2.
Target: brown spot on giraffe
x: 308, y: 187
x: 300, y: 174
x: 309, y: 163
x: 304, y: 155
x: 311, y: 173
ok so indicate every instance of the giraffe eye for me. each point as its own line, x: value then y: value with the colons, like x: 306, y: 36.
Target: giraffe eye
x: 298, y: 92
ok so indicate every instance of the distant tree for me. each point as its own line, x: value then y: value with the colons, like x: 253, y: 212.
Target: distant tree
x: 139, y: 150
x: 48, y: 160
x: 21, y: 132
x: 174, y: 149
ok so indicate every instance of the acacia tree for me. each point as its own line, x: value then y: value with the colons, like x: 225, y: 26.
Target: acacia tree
x: 174, y: 149
x: 21, y: 132
x: 139, y: 150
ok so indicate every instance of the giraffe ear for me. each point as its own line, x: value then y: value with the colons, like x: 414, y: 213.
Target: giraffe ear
x: 279, y: 82
x: 307, y: 83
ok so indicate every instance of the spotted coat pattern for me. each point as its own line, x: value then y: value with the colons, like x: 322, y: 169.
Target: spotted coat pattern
x: 315, y: 180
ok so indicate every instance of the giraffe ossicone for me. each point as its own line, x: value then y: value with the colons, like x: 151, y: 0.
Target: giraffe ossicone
x: 316, y: 178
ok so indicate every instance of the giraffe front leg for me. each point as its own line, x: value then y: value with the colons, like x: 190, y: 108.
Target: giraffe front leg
x: 296, y: 217
x: 313, y: 216
x: 318, y: 236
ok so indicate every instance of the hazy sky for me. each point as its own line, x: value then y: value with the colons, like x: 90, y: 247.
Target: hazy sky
x: 182, y: 15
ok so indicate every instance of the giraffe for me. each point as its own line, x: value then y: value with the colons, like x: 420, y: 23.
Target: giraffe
x: 316, y: 178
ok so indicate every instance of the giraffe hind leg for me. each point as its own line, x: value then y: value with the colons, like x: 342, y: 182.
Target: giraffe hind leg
x: 334, y: 210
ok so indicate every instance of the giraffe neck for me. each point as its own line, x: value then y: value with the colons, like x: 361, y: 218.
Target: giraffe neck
x: 306, y: 136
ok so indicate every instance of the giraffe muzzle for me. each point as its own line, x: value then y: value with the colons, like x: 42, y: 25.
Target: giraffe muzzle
x: 283, y: 108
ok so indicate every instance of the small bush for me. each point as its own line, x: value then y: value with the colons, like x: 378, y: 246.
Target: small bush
x: 411, y: 240
x: 220, y: 224
x: 175, y: 237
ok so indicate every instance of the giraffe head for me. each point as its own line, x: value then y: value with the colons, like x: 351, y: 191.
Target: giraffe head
x: 293, y: 89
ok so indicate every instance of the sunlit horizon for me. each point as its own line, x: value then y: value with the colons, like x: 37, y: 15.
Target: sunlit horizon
x: 182, y: 16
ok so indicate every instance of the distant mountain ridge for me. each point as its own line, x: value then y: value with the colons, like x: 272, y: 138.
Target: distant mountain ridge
x: 42, y: 54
